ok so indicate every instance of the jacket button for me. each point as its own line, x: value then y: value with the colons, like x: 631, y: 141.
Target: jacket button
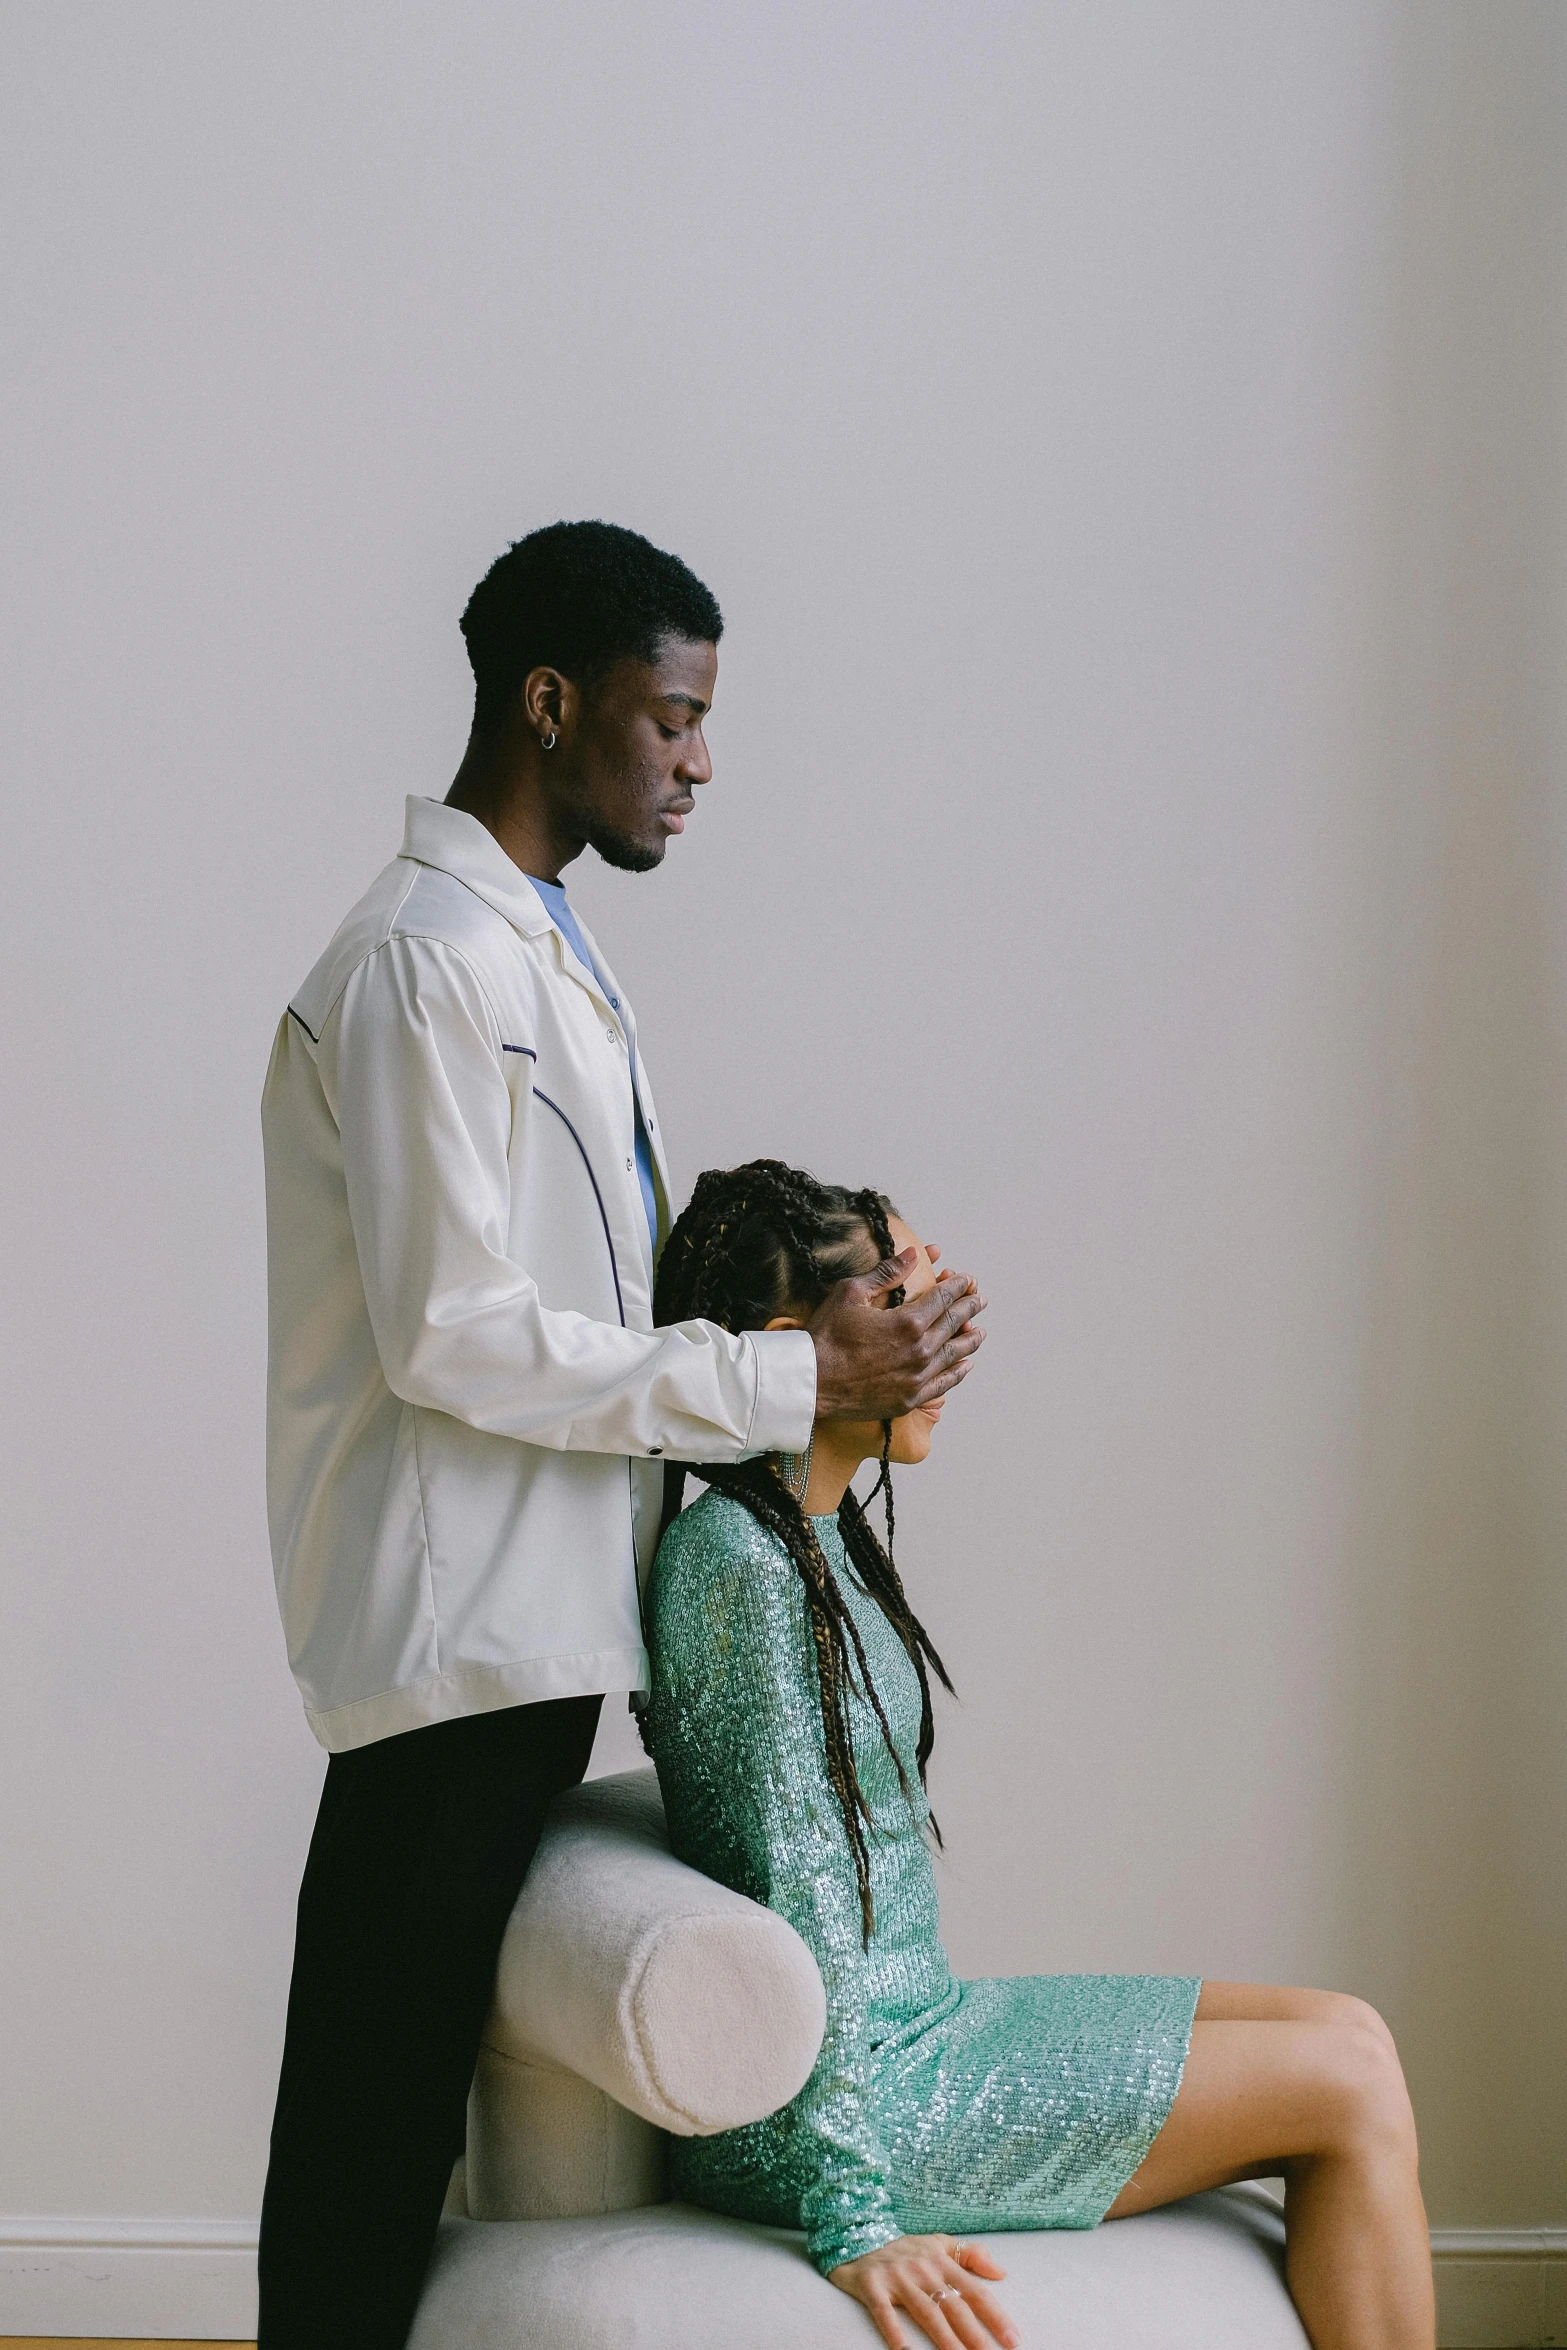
x: 628, y: 1166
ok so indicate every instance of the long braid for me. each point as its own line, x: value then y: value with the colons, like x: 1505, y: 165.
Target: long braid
x: 877, y: 1570
x: 835, y: 1638
x: 751, y: 1241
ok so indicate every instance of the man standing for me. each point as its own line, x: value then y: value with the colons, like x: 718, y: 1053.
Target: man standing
x: 469, y: 1407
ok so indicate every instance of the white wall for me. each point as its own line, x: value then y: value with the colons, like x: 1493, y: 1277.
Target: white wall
x: 1126, y: 442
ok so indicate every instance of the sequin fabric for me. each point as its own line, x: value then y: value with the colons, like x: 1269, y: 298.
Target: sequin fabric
x: 936, y: 2106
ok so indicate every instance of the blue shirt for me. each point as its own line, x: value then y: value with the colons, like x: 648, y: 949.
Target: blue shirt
x: 554, y: 895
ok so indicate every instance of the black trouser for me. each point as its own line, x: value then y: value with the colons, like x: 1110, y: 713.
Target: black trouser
x: 420, y: 1847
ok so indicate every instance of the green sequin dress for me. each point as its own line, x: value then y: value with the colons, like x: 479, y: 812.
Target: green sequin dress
x: 936, y: 2106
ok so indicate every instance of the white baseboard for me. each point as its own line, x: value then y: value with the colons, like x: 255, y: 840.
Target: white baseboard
x: 195, y: 2280
x: 1500, y: 2288
x: 160, y: 2280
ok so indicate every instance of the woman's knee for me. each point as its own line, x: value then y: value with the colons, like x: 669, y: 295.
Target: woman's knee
x: 1356, y: 2015
x: 1365, y: 2103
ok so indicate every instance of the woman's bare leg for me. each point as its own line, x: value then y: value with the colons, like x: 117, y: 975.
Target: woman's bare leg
x: 1307, y: 2084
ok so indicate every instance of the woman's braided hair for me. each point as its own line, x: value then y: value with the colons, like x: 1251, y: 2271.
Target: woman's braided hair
x: 753, y: 1242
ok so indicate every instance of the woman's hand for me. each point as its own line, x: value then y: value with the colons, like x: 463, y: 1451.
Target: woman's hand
x: 931, y: 2279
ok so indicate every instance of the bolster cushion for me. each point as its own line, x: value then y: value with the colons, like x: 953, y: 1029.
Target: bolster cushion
x: 684, y: 2002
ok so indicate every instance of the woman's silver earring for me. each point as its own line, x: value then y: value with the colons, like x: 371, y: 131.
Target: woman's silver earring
x: 794, y: 1469
x: 547, y: 739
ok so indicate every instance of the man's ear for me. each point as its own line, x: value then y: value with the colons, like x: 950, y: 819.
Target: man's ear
x: 549, y: 700
x: 784, y: 1322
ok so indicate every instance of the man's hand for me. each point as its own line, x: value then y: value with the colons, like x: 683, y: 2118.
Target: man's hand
x: 875, y: 1362
x: 931, y: 2280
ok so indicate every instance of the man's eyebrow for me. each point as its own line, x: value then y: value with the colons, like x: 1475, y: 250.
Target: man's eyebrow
x: 691, y: 701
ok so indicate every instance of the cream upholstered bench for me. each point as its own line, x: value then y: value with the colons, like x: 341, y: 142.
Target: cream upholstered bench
x: 636, y: 1999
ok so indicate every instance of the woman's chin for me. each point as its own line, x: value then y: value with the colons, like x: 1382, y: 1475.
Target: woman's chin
x: 913, y: 1436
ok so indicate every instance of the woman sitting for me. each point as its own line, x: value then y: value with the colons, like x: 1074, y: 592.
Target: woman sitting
x: 790, y: 1720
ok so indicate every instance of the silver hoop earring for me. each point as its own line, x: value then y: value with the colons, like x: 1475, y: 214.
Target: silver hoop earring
x: 547, y: 739
x: 794, y: 1470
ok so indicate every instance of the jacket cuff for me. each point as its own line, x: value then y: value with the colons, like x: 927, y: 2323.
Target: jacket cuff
x: 785, y: 1409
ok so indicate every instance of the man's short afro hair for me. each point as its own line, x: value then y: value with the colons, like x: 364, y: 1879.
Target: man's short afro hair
x: 577, y: 596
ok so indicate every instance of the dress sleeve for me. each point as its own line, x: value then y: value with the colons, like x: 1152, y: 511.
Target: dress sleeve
x: 733, y: 1650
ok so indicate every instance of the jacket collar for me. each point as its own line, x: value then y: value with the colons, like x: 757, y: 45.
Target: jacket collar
x: 456, y: 843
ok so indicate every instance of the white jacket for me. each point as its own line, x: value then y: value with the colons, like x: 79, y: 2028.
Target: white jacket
x: 467, y: 1400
